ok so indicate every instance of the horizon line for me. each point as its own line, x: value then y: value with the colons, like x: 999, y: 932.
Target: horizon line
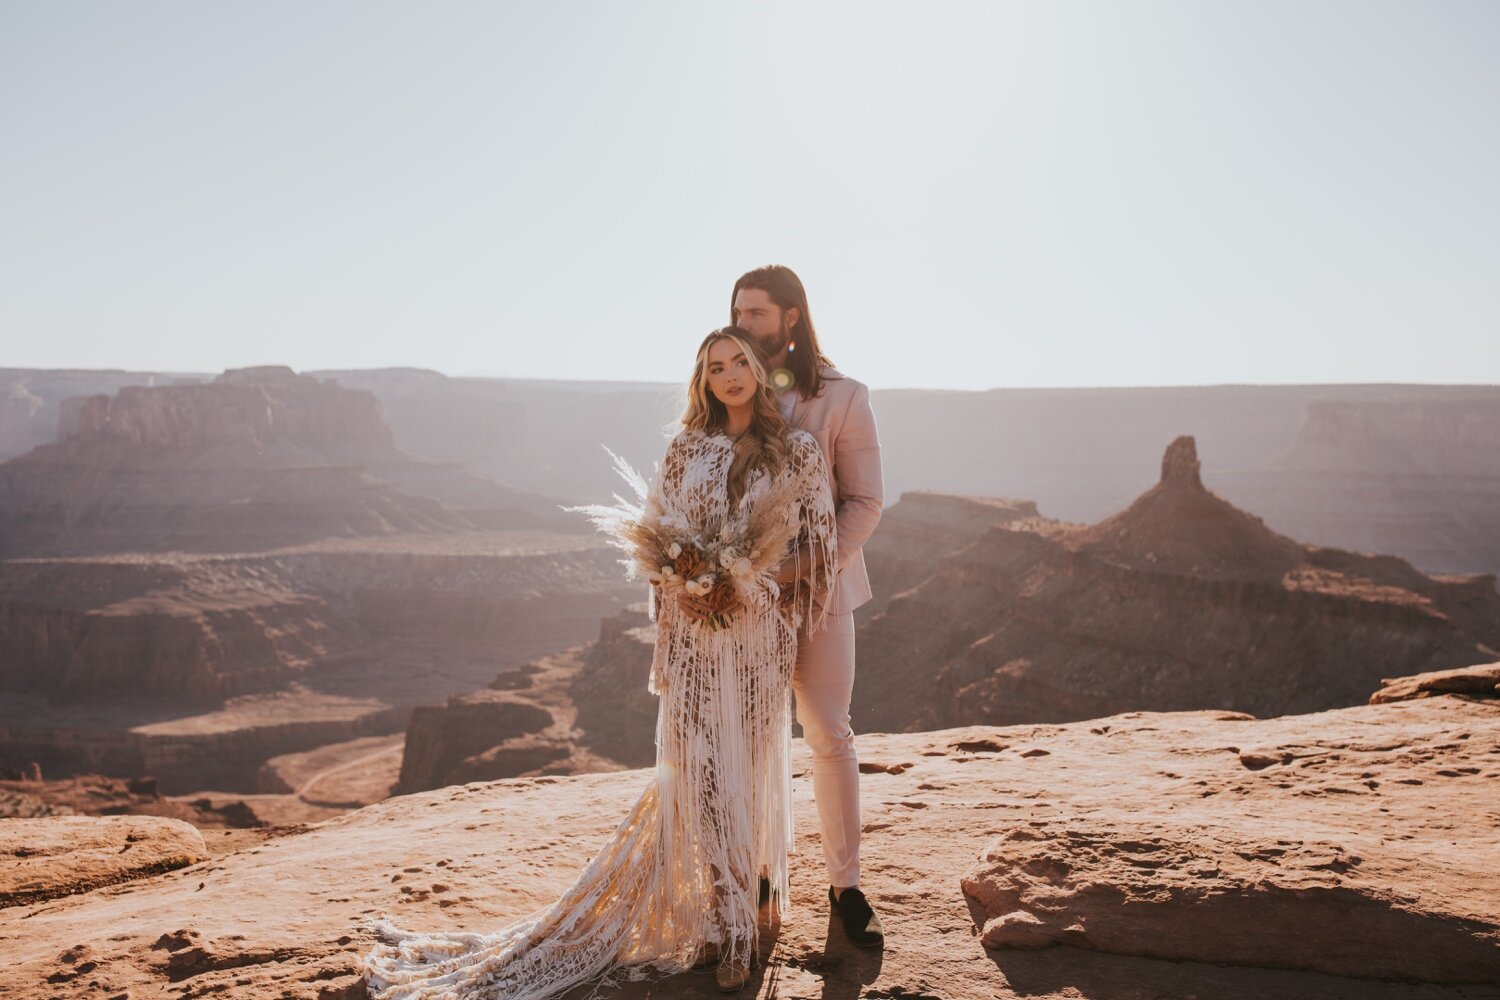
x: 676, y: 384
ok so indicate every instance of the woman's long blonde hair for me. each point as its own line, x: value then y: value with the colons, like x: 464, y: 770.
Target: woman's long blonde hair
x: 764, y: 443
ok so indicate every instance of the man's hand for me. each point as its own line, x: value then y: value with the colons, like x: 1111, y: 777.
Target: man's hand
x: 786, y: 575
x: 698, y: 609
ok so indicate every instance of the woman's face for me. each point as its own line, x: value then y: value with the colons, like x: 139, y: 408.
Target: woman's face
x: 730, y: 377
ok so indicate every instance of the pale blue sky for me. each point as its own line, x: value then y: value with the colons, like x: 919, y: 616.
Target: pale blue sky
x: 977, y: 195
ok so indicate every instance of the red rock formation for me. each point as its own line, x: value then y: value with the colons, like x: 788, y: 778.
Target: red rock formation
x: 33, y: 397
x: 1141, y: 847
x: 1178, y: 526
x: 99, y: 795
x: 439, y: 738
x: 1213, y: 894
x: 256, y: 459
x: 1179, y: 602
x: 1412, y: 474
x: 616, y: 714
x: 97, y: 851
x: 922, y: 528
x: 1481, y: 681
x: 582, y: 710
x: 198, y: 669
x: 1434, y: 436
x: 266, y: 416
x: 191, y: 632
x: 1402, y: 469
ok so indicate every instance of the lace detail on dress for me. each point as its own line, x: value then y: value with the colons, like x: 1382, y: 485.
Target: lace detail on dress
x: 681, y: 868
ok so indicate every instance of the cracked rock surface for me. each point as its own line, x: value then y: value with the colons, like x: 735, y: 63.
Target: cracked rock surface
x: 1352, y: 853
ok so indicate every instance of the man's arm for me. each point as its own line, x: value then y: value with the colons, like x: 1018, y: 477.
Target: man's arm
x: 859, y: 494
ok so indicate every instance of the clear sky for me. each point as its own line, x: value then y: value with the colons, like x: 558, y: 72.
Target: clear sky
x: 976, y: 194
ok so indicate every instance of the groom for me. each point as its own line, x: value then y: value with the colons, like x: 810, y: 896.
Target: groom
x: 771, y: 305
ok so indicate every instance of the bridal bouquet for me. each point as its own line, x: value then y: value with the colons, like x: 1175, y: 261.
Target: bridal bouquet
x: 725, y: 565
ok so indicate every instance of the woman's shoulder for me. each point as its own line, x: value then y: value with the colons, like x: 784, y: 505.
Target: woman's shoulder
x: 799, y: 439
x: 684, y: 437
x: 804, y: 448
x: 681, y: 447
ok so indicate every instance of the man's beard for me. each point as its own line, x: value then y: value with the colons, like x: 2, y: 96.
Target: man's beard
x: 776, y: 342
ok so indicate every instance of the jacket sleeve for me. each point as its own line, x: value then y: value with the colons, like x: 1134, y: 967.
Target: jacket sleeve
x: 856, y: 473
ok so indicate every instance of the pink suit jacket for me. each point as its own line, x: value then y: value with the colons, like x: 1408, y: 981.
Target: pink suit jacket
x: 841, y: 420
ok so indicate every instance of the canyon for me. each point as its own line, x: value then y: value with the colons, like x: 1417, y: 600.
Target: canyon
x: 1180, y: 601
x: 490, y: 637
x: 197, y: 669
x: 1405, y: 470
x: 988, y: 612
x: 200, y: 578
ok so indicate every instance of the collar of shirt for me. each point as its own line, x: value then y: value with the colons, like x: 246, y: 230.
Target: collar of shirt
x: 785, y: 401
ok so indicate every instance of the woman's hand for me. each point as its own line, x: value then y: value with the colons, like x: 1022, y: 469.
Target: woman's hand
x: 794, y: 586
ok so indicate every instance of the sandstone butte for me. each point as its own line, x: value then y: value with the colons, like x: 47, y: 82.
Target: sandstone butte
x: 1350, y: 853
x: 1181, y: 601
x: 259, y: 458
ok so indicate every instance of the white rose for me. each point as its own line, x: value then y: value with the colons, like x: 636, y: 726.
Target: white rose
x: 674, y: 550
x: 741, y: 567
x: 691, y: 587
x: 728, y: 556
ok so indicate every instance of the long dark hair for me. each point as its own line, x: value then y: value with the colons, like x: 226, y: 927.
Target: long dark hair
x: 764, y: 443
x: 804, y: 355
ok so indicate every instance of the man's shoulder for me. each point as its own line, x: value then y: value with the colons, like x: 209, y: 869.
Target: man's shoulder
x: 838, y: 385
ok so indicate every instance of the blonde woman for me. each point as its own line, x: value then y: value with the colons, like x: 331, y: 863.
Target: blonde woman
x: 676, y: 884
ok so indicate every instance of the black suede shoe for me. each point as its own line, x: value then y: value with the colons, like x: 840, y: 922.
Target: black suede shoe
x: 861, y: 923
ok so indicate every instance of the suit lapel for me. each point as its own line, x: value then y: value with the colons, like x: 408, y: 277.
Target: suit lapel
x: 800, y: 407
x: 799, y: 411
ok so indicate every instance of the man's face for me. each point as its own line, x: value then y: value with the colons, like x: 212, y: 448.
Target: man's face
x: 764, y: 320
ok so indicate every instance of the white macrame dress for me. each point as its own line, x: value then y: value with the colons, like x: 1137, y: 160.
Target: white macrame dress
x: 682, y: 868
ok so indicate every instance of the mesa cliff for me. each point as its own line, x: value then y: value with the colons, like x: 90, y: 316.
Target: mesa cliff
x: 580, y: 710
x: 258, y: 458
x: 197, y: 669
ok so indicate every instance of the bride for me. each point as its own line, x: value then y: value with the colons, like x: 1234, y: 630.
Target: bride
x: 677, y: 885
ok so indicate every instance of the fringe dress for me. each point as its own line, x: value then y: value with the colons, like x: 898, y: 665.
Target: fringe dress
x: 682, y: 867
